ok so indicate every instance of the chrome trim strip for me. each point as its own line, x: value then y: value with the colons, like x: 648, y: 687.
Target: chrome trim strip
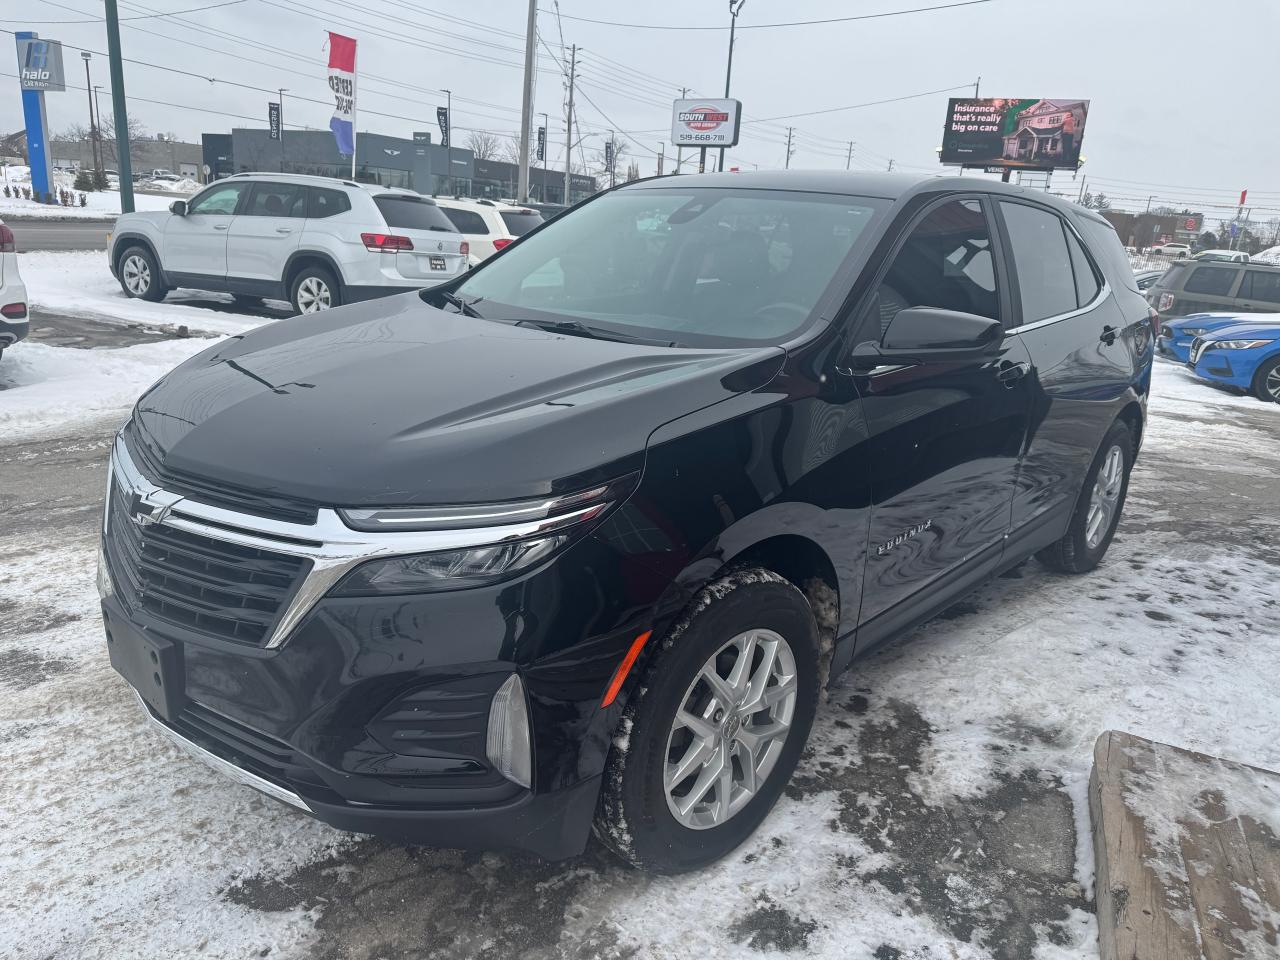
x: 1103, y: 293
x: 333, y: 548
x: 224, y: 767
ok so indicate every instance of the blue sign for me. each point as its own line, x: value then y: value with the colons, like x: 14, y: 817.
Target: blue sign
x: 1235, y: 229
x: 33, y: 112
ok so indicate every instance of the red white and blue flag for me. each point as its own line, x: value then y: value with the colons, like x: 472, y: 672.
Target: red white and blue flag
x: 342, y: 82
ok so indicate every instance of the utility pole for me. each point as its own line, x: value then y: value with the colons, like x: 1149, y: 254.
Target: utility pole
x: 735, y: 8
x: 93, y: 124
x: 1080, y: 195
x: 1149, y: 199
x: 568, y: 126
x: 848, y: 159
x: 662, y: 155
x: 281, y: 91
x: 526, y: 108
x: 976, y: 84
x: 119, y: 107
x: 890, y: 170
x: 788, y: 161
x: 546, y: 153
x: 613, y: 160
x: 684, y: 93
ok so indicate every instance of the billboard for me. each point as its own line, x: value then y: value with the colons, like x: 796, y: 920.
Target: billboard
x: 40, y: 65
x: 1021, y: 134
x: 705, y: 123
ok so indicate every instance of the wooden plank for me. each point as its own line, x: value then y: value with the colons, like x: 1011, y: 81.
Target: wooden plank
x: 1188, y: 861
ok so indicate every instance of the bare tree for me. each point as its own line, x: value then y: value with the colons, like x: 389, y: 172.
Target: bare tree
x: 596, y: 163
x: 74, y: 132
x: 484, y: 145
x: 511, y: 149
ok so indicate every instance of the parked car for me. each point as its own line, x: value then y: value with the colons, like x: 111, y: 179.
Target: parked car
x: 1176, y: 336
x: 1194, y: 286
x: 488, y: 564
x: 14, y: 322
x: 489, y: 225
x: 1226, y: 256
x: 1245, y: 355
x: 1170, y: 250
x: 313, y: 241
x: 1146, y: 279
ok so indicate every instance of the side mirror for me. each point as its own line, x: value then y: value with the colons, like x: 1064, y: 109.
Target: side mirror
x: 178, y: 208
x: 931, y: 335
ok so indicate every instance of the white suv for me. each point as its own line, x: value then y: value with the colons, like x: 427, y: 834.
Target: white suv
x: 489, y: 225
x: 314, y: 241
x: 13, y: 295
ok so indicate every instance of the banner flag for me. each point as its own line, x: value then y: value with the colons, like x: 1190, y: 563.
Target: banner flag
x: 342, y: 82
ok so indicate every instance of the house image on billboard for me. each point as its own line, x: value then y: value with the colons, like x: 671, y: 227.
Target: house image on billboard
x: 1049, y: 131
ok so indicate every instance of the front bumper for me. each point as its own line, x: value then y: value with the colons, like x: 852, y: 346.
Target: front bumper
x: 1231, y: 368
x: 1177, y: 347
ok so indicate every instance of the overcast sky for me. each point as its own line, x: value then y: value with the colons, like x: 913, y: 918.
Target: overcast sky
x: 1178, y: 108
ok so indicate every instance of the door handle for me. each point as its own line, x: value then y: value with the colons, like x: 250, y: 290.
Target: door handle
x: 284, y: 230
x: 1108, y: 335
x: 220, y: 226
x: 1011, y: 372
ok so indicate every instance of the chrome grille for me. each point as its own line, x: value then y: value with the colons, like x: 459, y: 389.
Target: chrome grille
x: 210, y: 587
x: 1198, y: 346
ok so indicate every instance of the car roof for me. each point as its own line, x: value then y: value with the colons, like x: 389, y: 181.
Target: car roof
x: 302, y: 178
x: 465, y: 203
x: 888, y: 186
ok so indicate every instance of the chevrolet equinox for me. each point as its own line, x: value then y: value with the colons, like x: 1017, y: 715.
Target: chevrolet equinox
x: 574, y: 541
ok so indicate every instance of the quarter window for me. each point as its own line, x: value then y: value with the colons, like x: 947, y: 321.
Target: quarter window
x: 1087, y: 286
x: 1261, y: 286
x: 946, y: 263
x: 1215, y: 281
x: 220, y: 200
x: 1046, y: 281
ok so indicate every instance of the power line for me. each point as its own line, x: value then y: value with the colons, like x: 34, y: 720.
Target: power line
x: 858, y: 106
x: 147, y: 16
x: 768, y: 26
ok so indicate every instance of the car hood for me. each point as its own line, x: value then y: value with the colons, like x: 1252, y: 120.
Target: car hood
x: 1247, y: 330
x: 395, y: 402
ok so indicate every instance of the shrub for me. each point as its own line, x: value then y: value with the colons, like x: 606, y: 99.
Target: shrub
x: 84, y: 180
x: 84, y: 200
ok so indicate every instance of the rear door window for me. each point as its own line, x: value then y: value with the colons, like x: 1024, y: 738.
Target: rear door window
x: 520, y: 222
x: 276, y: 200
x: 467, y: 221
x: 326, y: 203
x: 412, y: 213
x: 1046, y: 279
x: 1215, y: 281
x: 1261, y: 285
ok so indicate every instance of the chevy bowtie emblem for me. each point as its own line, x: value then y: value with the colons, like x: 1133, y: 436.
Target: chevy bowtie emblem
x: 146, y: 514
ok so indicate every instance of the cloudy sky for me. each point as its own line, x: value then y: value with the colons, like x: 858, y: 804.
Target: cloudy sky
x: 1177, y: 86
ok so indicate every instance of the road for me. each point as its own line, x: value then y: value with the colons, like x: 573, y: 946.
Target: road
x: 60, y: 234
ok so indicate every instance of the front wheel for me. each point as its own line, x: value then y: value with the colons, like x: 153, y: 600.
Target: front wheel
x: 1266, y: 382
x: 1098, y: 509
x: 140, y: 275
x: 715, y: 728
x: 314, y: 289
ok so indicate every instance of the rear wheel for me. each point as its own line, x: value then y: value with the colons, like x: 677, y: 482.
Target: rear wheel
x: 1266, y: 382
x: 1098, y: 510
x: 715, y: 728
x: 140, y: 275
x: 314, y: 289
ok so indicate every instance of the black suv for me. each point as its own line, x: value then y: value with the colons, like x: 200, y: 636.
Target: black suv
x: 577, y: 538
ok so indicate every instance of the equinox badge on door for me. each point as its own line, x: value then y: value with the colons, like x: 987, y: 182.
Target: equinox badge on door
x: 919, y: 528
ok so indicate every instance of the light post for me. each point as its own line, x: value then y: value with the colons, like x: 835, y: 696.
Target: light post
x: 735, y: 8
x: 448, y: 137
x: 280, y: 94
x: 93, y: 124
x: 662, y: 153
x: 546, y: 150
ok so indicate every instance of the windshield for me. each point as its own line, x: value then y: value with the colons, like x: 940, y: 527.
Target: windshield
x: 696, y: 266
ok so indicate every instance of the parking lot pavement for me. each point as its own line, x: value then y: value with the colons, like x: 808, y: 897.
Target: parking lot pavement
x: 939, y: 812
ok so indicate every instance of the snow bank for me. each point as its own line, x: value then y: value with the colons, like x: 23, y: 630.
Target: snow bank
x: 99, y: 204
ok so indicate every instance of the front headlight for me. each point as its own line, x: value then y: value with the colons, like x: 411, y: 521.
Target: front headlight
x: 1237, y: 344
x: 1194, y: 331
x: 448, y: 570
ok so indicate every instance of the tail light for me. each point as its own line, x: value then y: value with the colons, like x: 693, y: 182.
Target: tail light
x: 1166, y: 302
x: 464, y: 248
x: 503, y: 242
x: 385, y: 242
x: 1155, y: 321
x: 14, y: 311
x: 7, y: 242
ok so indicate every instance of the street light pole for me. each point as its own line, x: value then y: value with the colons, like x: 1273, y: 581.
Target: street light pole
x: 546, y: 153
x: 735, y: 8
x: 93, y: 124
x: 448, y: 138
x: 119, y: 106
x: 526, y: 106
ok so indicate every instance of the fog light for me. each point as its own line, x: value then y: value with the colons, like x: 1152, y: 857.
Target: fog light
x: 105, y: 587
x: 507, y: 743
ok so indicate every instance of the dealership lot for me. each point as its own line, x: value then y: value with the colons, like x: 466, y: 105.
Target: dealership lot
x: 939, y: 811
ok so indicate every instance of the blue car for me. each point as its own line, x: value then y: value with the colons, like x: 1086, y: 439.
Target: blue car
x: 1174, y: 341
x: 1244, y: 355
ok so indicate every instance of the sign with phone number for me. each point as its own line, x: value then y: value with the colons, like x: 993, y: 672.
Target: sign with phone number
x: 705, y: 123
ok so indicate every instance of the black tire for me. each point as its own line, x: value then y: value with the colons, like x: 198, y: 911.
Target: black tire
x: 1074, y: 553
x: 139, y: 275
x: 634, y: 818
x: 308, y: 281
x: 1269, y: 370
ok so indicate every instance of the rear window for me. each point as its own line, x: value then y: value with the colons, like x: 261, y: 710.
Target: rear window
x: 467, y: 221
x: 412, y: 213
x: 1216, y: 281
x: 521, y: 222
x: 1104, y: 244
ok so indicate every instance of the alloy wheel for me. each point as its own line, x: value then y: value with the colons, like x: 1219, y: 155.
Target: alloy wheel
x: 313, y: 295
x: 1272, y: 384
x: 729, y: 729
x: 1105, y: 497
x: 137, y: 275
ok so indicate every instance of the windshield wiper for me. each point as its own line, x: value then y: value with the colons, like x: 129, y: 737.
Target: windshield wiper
x: 576, y: 328
x: 465, y: 307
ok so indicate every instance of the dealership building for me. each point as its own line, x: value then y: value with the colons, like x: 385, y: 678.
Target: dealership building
x: 417, y: 164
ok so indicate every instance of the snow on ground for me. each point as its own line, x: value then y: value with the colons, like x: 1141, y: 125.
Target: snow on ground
x: 80, y: 284
x: 104, y: 204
